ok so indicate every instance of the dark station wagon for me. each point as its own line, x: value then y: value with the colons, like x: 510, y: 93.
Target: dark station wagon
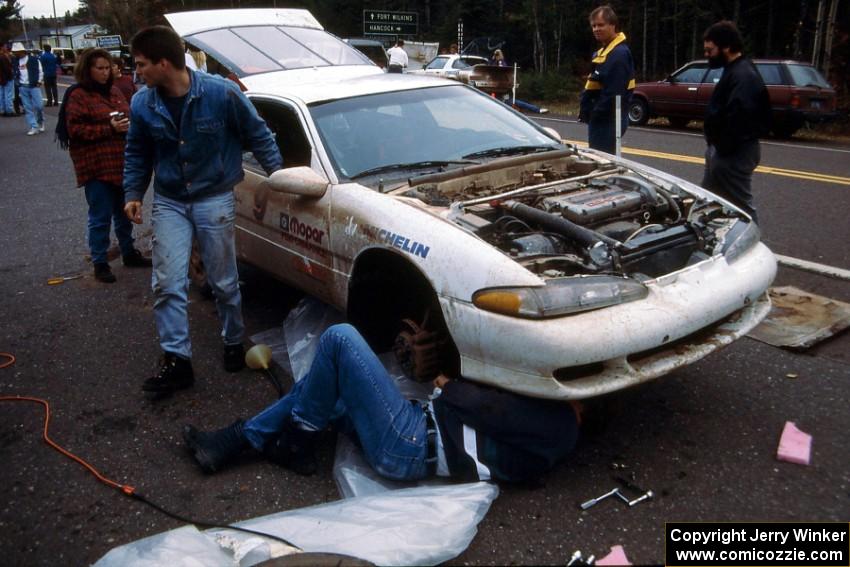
x: 798, y: 94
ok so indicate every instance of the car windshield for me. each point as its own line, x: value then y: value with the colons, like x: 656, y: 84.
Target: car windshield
x: 806, y: 76
x: 467, y: 62
x: 422, y: 127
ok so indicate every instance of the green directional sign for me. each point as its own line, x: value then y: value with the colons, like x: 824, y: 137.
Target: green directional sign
x: 382, y: 22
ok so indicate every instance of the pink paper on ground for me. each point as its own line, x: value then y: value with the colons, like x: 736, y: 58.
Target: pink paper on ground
x: 794, y: 445
x: 616, y: 557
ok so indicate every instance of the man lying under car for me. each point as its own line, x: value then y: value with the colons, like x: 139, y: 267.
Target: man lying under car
x: 466, y: 431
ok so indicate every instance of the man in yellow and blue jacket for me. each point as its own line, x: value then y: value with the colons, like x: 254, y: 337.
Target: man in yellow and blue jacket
x: 613, y: 74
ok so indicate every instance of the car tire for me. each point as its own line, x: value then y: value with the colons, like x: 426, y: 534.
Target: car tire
x: 384, y: 290
x: 784, y: 132
x: 638, y: 112
x: 678, y: 121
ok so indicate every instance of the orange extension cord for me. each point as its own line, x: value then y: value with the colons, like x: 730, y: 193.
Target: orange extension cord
x: 124, y: 488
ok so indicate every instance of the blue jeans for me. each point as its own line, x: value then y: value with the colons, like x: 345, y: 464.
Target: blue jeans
x: 346, y: 380
x: 175, y: 223
x: 526, y: 106
x: 7, y: 96
x: 106, y: 207
x: 33, y: 105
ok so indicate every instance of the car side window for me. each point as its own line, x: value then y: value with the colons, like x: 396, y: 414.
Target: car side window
x: 770, y: 73
x: 437, y: 63
x: 283, y: 121
x: 692, y: 74
x: 713, y: 76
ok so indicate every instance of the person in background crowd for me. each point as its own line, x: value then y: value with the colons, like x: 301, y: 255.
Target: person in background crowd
x: 466, y: 431
x: 28, y: 75
x: 50, y: 64
x: 453, y: 49
x: 94, y: 134
x: 737, y: 114
x: 398, y: 58
x: 612, y: 74
x: 498, y: 59
x: 124, y: 82
x: 7, y: 82
x: 189, y: 129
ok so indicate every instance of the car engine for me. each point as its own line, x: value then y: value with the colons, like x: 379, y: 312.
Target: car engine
x: 596, y: 220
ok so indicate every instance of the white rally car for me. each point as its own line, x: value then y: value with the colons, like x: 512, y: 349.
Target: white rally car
x: 543, y: 269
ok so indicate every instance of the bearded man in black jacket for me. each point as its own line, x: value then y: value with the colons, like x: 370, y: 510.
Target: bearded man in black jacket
x: 737, y: 115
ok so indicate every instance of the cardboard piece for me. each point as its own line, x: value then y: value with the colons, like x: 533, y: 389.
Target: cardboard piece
x: 617, y: 556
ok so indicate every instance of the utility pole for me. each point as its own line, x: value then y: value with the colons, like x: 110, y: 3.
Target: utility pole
x: 55, y: 24
x: 24, y: 26
x: 830, y: 33
x: 818, y: 34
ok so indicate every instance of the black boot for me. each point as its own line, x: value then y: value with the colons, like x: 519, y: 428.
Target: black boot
x: 103, y: 273
x: 213, y: 450
x: 295, y: 449
x: 136, y: 260
x: 234, y: 357
x: 174, y: 374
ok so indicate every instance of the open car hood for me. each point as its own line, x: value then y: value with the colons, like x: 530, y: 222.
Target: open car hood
x: 254, y: 41
x: 188, y: 23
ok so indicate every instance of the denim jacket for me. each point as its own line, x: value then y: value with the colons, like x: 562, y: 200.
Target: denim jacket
x: 204, y: 156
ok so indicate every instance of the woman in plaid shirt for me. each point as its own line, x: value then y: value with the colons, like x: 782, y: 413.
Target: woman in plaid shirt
x: 96, y: 143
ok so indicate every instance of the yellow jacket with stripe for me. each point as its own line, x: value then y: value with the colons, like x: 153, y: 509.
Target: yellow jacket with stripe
x: 612, y: 74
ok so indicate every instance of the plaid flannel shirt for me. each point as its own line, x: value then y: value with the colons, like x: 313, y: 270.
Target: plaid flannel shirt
x: 96, y: 149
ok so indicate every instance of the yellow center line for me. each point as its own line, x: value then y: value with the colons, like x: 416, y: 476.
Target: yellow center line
x: 810, y: 175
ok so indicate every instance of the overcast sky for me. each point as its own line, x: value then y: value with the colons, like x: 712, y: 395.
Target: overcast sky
x: 32, y: 8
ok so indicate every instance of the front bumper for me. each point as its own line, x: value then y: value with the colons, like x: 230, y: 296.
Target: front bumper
x: 686, y: 316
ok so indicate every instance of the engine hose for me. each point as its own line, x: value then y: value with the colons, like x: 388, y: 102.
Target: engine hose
x: 552, y: 223
x: 671, y: 202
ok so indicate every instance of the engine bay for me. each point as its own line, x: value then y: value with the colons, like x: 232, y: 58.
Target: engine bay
x: 576, y: 215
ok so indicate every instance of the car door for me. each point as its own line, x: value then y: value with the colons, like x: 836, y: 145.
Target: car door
x: 706, y: 89
x: 285, y: 235
x: 437, y: 65
x: 680, y: 91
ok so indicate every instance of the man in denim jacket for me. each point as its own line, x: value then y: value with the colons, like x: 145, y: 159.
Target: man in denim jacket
x: 188, y: 128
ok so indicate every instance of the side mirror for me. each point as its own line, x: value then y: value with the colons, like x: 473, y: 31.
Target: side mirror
x: 671, y: 79
x: 299, y: 180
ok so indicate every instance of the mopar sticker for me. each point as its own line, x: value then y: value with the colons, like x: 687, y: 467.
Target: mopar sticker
x: 302, y: 233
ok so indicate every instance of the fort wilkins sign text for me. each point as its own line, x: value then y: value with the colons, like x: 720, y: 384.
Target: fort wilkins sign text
x: 381, y: 22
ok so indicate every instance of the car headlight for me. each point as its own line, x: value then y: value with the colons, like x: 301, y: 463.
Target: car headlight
x: 740, y: 238
x: 559, y: 297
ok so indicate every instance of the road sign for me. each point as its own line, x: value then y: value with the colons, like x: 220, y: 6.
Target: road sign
x: 382, y: 22
x: 108, y: 41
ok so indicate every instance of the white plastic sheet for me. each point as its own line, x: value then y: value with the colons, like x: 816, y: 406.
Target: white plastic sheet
x: 383, y: 521
x: 412, y: 526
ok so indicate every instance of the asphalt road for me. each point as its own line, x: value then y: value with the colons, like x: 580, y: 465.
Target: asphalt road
x: 703, y: 438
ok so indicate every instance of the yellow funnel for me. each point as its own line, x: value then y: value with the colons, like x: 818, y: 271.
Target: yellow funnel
x: 258, y: 357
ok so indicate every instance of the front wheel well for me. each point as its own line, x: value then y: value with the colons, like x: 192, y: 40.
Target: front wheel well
x: 385, y: 288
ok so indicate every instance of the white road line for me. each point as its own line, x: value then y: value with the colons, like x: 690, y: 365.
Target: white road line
x: 821, y: 269
x: 692, y: 134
